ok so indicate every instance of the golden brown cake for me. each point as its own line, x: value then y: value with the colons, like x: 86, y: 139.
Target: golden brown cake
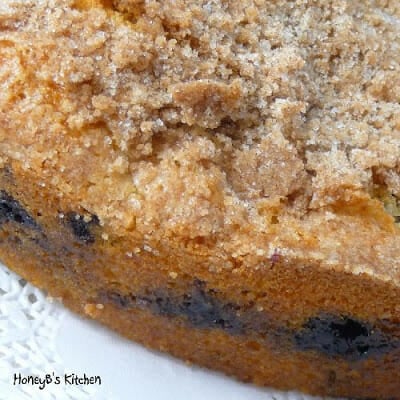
x: 216, y: 179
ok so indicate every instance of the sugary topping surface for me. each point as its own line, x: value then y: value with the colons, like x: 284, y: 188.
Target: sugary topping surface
x: 251, y: 125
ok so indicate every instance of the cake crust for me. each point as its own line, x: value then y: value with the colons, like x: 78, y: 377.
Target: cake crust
x: 208, y: 164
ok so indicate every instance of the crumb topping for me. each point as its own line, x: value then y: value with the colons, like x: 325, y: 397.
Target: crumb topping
x: 207, y: 118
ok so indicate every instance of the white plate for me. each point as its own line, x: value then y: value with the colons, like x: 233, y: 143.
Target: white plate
x: 39, y: 337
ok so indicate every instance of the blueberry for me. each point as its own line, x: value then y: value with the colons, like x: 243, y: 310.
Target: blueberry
x: 81, y: 228
x: 343, y: 336
x: 11, y: 210
x: 203, y: 309
x: 119, y: 300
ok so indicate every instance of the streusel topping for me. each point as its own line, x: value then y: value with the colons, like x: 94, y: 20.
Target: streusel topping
x: 208, y: 118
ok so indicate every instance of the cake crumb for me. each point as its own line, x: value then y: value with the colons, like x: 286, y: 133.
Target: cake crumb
x: 173, y: 274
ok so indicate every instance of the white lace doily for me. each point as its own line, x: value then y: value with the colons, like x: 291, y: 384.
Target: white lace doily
x: 29, y: 324
x: 39, y: 337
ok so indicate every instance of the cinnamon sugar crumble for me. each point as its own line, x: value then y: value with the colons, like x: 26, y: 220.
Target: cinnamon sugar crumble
x: 192, y: 118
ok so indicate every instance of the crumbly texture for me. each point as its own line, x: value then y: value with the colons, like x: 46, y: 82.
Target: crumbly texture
x: 215, y: 109
x: 253, y: 146
x: 208, y: 120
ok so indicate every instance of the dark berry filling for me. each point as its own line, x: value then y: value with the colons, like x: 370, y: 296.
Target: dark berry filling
x: 11, y: 210
x: 200, y: 308
x: 82, y: 227
x: 332, y: 335
x: 343, y: 336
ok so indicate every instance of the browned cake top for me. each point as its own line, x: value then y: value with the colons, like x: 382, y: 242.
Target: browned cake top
x: 236, y: 128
